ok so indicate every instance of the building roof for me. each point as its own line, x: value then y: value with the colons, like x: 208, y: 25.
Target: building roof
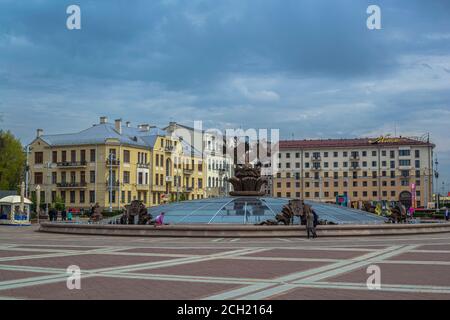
x: 99, y: 133
x: 14, y: 200
x: 352, y: 143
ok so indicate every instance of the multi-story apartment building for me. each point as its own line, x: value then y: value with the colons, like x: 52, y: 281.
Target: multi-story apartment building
x: 110, y: 164
x: 219, y: 164
x: 380, y: 169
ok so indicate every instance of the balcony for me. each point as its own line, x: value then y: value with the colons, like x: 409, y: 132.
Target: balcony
x: 143, y: 165
x: 316, y: 168
x: 71, y: 185
x: 188, y: 171
x: 169, y: 148
x: 354, y: 157
x: 72, y: 164
x: 142, y: 186
x: 316, y: 158
x: 169, y: 178
x: 112, y: 163
x: 189, y: 189
x: 115, y: 184
x: 355, y: 168
x: 158, y: 188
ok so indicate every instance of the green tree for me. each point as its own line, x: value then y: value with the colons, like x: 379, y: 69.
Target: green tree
x: 12, y: 161
x: 59, y: 204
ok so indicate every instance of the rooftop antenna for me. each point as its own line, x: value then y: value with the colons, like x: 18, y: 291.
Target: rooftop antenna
x: 395, y: 129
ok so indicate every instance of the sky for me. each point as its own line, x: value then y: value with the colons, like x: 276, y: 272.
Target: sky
x: 310, y: 68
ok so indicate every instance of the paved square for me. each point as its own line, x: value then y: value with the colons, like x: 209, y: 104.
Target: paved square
x: 33, y: 266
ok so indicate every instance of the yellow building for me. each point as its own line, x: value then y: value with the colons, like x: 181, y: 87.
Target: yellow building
x: 380, y: 169
x: 113, y: 164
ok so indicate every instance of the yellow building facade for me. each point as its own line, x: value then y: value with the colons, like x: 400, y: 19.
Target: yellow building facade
x: 112, y: 165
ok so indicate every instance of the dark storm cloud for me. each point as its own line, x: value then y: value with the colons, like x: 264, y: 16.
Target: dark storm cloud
x: 309, y: 67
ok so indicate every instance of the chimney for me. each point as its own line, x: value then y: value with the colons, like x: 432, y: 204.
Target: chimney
x: 39, y: 133
x: 103, y: 120
x: 128, y: 124
x: 118, y: 125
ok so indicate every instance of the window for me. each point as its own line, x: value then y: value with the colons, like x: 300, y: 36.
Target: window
x: 335, y: 154
x: 38, y: 158
x: 404, y: 162
x: 288, y: 155
x: 374, y: 153
x: 417, y: 153
x: 392, y: 154
x: 404, y: 153
x: 82, y: 196
x: 83, y: 177
x: 325, y: 154
x: 83, y: 155
x: 72, y: 196
x: 126, y: 156
x: 92, y: 176
x: 53, y: 177
x: 306, y: 154
x: 297, y: 155
x: 417, y: 163
x: 73, y: 156
x: 54, y: 156
x: 92, y: 156
x: 383, y: 153
x: 64, y: 156
x: 126, y: 177
x: 91, y: 196
x: 38, y: 178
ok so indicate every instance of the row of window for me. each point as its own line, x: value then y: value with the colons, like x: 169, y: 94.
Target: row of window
x: 355, y: 194
x: 73, y: 197
x: 353, y: 164
x: 354, y: 175
x: 353, y: 154
x: 344, y: 184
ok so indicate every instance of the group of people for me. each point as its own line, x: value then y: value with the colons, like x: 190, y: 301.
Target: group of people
x: 65, y: 216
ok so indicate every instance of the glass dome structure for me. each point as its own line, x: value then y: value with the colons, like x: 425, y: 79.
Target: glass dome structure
x: 252, y: 210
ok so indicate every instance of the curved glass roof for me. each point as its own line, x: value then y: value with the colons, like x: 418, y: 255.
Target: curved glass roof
x: 252, y: 210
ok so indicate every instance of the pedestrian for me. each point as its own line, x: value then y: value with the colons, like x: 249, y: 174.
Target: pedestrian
x: 63, y: 214
x: 310, y: 225
x: 446, y: 214
x: 411, y: 212
x: 316, y: 222
x: 69, y: 215
x: 159, y: 221
x: 53, y: 214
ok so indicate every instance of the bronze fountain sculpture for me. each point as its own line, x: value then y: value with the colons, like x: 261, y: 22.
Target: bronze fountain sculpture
x: 247, y: 181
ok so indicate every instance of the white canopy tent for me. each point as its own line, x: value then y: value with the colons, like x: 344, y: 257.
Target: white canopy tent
x: 11, y: 212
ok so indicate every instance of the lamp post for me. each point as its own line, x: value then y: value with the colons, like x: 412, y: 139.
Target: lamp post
x: 38, y: 202
x: 111, y: 158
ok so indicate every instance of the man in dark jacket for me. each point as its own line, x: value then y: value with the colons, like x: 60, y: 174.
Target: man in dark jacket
x: 316, y: 222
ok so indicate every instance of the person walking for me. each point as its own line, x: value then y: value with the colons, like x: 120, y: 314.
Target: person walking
x: 63, y: 214
x: 69, y: 215
x: 446, y: 214
x: 159, y: 221
x: 316, y: 222
x: 310, y: 225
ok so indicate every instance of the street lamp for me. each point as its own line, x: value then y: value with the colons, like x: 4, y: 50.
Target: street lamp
x: 111, y: 158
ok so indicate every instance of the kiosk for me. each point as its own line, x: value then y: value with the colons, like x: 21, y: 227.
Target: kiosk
x: 11, y: 213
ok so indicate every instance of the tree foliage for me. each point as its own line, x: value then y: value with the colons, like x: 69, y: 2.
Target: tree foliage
x: 12, y: 161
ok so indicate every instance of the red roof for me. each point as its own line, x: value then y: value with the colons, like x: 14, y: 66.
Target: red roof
x: 351, y: 143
